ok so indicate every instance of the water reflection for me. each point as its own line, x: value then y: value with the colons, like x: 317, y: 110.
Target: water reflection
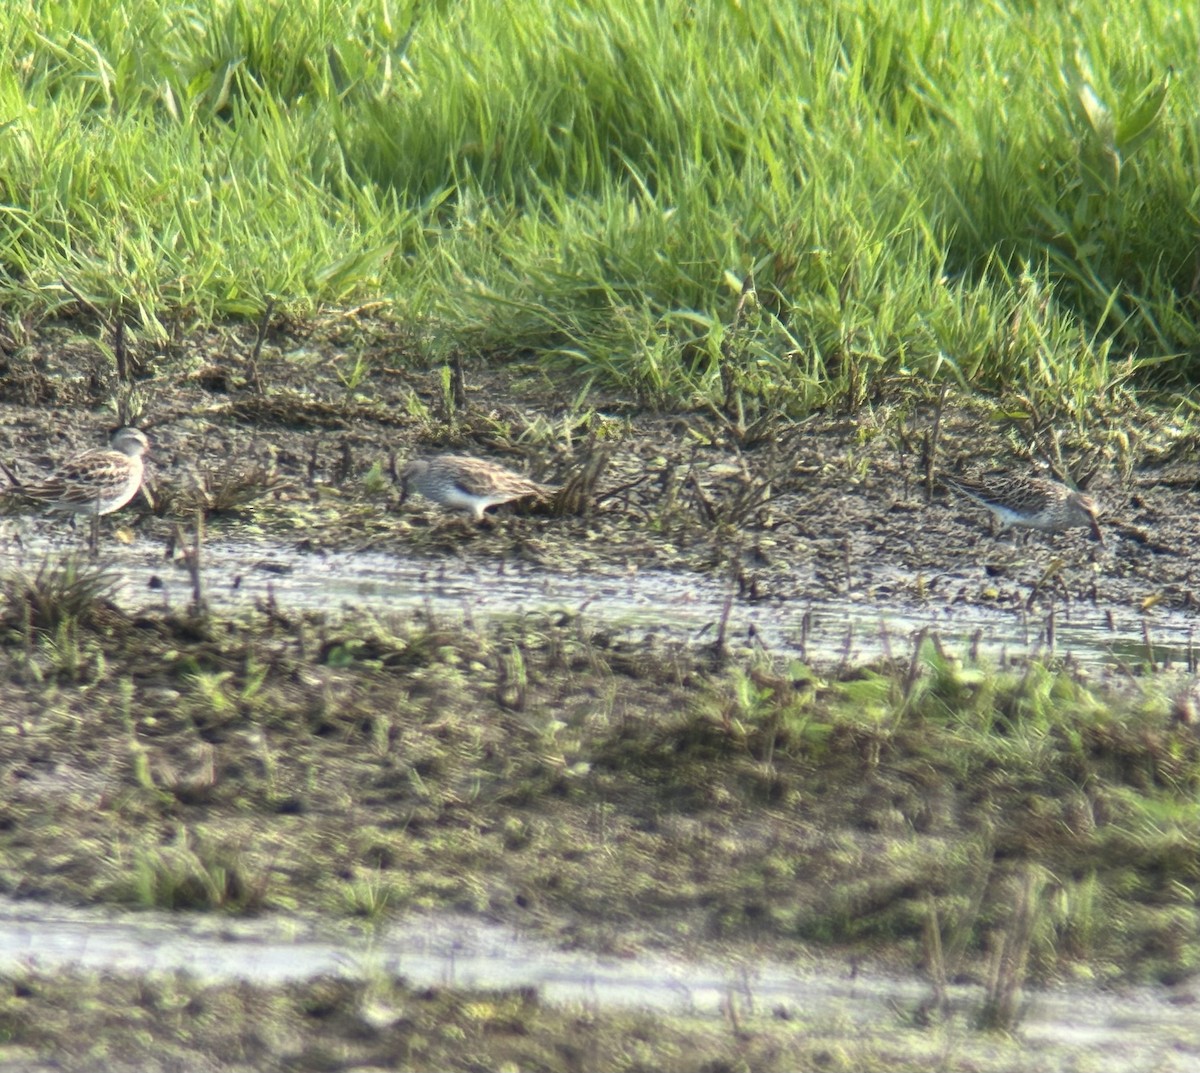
x: 677, y: 606
x: 467, y: 953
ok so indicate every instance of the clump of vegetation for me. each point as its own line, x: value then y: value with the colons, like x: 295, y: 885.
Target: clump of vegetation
x: 541, y: 769
x: 226, y: 489
x: 64, y: 591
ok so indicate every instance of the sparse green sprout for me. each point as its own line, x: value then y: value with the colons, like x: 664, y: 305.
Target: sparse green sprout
x: 189, y: 874
x: 354, y: 372
x: 374, y: 895
x: 375, y: 481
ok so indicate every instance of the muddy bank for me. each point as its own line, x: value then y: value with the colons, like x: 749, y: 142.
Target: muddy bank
x: 295, y: 447
x: 606, y: 791
x: 78, y: 1023
x: 242, y: 574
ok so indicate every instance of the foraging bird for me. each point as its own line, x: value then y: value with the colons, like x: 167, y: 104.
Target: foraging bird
x: 471, y: 484
x: 96, y: 482
x: 1031, y: 502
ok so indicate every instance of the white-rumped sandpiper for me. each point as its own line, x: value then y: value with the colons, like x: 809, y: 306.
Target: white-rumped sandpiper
x: 1031, y: 502
x: 470, y: 484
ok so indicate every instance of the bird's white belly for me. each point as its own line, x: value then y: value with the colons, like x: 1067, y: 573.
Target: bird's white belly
x: 456, y: 497
x: 1006, y: 517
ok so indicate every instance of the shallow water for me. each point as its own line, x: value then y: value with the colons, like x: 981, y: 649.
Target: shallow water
x: 675, y: 606
x: 461, y: 952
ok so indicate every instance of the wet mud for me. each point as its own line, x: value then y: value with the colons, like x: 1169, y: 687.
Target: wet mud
x: 299, y: 445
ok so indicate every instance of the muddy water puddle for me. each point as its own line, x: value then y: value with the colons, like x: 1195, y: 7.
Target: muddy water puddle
x: 1132, y: 1027
x: 673, y: 606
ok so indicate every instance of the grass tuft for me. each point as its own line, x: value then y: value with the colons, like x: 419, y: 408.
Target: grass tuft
x: 63, y: 592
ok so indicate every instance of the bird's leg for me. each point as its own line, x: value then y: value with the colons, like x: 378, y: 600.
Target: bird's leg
x: 94, y: 545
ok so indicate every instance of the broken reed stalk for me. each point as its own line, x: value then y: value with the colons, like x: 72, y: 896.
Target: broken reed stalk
x: 931, y: 444
x: 192, y: 560
x: 263, y: 325
x: 27, y: 634
x: 458, y: 383
x: 934, y: 955
x: 885, y: 640
x: 720, y: 650
x: 732, y: 404
x: 1010, y: 960
x: 198, y: 604
x: 847, y: 648
x: 119, y: 355
x: 914, y: 664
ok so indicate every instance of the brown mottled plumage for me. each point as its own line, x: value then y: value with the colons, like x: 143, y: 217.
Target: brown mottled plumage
x: 1032, y: 502
x: 95, y: 482
x: 471, y: 484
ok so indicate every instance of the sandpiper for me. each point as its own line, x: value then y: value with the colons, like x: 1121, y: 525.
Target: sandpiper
x: 470, y: 484
x: 1032, y: 502
x: 96, y: 482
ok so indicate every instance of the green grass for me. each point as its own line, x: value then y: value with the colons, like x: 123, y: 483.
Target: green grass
x: 1000, y: 194
x: 553, y: 776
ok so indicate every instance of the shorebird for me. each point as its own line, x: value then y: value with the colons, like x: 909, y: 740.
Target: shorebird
x: 471, y: 484
x: 1031, y: 502
x: 96, y: 482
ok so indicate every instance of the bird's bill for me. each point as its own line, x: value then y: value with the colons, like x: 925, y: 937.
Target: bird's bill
x: 1095, y: 527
